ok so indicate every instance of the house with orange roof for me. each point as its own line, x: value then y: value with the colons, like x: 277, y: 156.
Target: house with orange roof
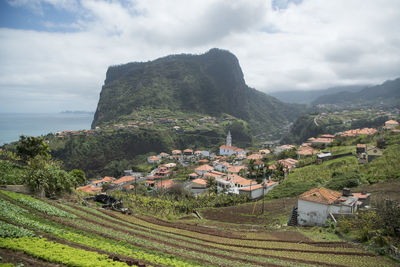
x: 254, y: 157
x: 199, y: 184
x: 106, y: 179
x: 214, y: 174
x: 203, y: 169
x: 288, y: 163
x: 306, y: 151
x: 235, y: 169
x: 164, y: 184
x: 315, y: 206
x: 153, y: 160
x: 123, y: 180
x: 322, y: 141
x: 162, y: 172
x: 253, y: 192
x: 176, y: 152
x: 169, y: 165
x: 391, y: 124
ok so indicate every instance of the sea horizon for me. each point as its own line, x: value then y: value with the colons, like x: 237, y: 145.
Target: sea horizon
x: 15, y: 124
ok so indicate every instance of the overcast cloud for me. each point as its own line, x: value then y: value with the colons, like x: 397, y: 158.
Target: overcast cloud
x: 281, y: 45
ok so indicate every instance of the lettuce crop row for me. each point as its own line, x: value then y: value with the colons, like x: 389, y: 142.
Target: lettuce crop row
x: 58, y: 253
x: 9, y: 230
x: 87, y: 239
x: 38, y: 205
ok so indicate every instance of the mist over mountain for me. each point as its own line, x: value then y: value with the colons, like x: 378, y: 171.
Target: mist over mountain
x: 308, y: 96
x: 387, y: 93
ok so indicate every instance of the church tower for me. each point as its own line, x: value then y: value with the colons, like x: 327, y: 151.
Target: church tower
x: 229, y: 139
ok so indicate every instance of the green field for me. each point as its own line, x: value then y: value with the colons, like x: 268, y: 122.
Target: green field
x: 82, y: 236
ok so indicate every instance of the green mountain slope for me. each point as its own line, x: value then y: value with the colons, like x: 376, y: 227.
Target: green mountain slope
x: 211, y: 84
x: 387, y: 93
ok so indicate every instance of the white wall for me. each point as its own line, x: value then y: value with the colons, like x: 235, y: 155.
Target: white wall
x: 312, y: 213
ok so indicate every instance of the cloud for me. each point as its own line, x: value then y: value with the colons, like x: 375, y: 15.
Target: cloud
x: 281, y: 44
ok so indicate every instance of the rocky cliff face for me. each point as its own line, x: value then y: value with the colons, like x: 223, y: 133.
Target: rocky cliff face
x: 211, y: 83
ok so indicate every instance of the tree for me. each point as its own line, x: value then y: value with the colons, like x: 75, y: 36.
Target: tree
x: 279, y: 172
x: 29, y: 147
x: 79, y: 176
x: 211, y: 184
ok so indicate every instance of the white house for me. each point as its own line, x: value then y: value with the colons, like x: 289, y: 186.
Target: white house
x: 317, y: 204
x: 221, y: 166
x: 255, y: 191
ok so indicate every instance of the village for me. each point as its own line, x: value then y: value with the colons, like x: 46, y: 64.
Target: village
x: 254, y: 174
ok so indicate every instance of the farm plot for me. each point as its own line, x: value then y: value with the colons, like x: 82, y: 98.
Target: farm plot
x: 82, y: 233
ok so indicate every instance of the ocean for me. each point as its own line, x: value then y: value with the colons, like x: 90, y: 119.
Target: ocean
x: 12, y: 125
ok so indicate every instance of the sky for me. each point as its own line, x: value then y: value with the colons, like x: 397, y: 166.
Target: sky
x: 54, y: 54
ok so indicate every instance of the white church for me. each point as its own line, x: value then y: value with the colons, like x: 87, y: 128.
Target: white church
x: 228, y: 149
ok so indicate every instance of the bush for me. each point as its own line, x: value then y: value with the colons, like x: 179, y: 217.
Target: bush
x: 46, y: 176
x: 344, y: 179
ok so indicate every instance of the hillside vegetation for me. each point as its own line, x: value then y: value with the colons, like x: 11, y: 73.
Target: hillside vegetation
x: 211, y: 83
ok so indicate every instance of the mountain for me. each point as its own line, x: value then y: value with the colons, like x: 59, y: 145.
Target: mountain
x: 387, y: 93
x: 308, y: 96
x: 210, y: 84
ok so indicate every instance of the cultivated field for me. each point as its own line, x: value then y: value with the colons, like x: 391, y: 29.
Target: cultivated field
x: 49, y: 232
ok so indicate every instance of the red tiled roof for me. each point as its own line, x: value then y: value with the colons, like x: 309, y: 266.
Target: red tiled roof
x: 200, y: 181
x: 361, y: 145
x: 214, y: 174
x: 392, y: 122
x: 176, y: 151
x: 251, y: 188
x: 193, y: 174
x: 204, y: 167
x: 165, y: 184
x: 360, y: 195
x: 236, y: 169
x: 233, y: 148
x: 321, y: 195
x: 242, y: 181
x: 188, y: 151
x: 124, y: 179
x: 255, y: 156
x: 106, y: 179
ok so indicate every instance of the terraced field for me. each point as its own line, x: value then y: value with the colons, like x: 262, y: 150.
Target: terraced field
x: 82, y: 236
